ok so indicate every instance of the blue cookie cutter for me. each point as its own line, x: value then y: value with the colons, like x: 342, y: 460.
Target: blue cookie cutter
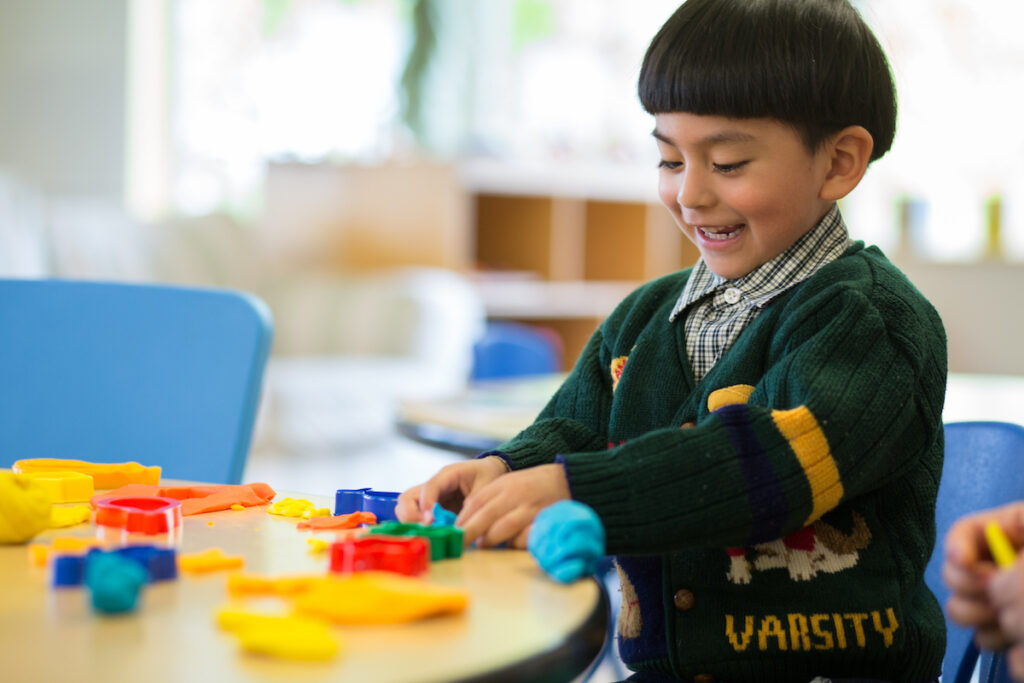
x: 380, y: 503
x: 161, y: 564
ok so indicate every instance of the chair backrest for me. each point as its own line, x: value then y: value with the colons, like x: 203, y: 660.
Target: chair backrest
x: 993, y: 668
x: 513, y: 349
x: 105, y: 372
x: 983, y: 468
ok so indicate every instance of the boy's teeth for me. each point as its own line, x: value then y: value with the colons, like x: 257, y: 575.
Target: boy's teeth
x: 722, y: 234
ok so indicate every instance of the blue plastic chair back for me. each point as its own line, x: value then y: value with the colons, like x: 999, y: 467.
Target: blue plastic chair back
x: 105, y: 372
x: 993, y: 668
x: 983, y: 468
x: 512, y: 349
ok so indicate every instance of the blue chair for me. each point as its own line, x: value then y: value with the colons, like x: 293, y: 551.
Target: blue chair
x: 993, y: 669
x: 513, y: 349
x: 983, y: 468
x: 105, y: 372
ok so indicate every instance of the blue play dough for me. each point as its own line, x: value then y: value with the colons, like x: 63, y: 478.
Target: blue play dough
x: 114, y: 581
x: 442, y: 517
x: 567, y: 540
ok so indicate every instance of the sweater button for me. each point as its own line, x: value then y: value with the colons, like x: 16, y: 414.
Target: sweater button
x: 688, y: 425
x: 703, y: 678
x: 683, y: 599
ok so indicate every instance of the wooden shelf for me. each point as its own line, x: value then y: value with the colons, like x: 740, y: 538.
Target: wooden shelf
x: 533, y: 234
x: 578, y: 256
x: 578, y: 237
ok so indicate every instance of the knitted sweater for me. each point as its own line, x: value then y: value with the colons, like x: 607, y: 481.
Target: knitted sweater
x: 772, y: 522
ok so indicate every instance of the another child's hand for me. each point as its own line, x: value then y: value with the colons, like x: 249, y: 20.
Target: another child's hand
x: 1006, y: 593
x: 985, y: 598
x: 450, y: 486
x: 505, y: 508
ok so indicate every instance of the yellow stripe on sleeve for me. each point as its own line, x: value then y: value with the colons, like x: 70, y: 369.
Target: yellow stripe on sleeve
x: 727, y: 396
x: 805, y: 437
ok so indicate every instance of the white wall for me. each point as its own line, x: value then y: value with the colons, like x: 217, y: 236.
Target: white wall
x: 62, y: 94
x: 982, y: 306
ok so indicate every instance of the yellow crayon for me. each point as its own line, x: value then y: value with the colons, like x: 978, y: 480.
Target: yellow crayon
x: 999, y: 544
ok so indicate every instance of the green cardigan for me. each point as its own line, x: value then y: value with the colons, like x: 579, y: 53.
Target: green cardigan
x: 772, y: 522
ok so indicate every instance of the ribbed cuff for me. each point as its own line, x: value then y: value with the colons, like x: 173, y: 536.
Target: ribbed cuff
x: 598, y: 481
x: 497, y: 454
x: 560, y: 460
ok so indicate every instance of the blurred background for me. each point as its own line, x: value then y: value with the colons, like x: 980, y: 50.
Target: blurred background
x: 394, y: 176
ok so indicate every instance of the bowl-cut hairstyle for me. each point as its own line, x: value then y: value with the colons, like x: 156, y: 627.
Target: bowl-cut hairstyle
x: 813, y: 64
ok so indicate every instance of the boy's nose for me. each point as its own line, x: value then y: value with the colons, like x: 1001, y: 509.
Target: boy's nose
x: 694, y: 190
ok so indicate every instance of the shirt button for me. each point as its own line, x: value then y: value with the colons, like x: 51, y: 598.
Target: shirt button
x: 703, y: 678
x: 732, y: 295
x: 684, y: 600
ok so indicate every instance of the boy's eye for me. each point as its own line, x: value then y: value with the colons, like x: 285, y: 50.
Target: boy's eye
x: 729, y: 168
x: 670, y: 165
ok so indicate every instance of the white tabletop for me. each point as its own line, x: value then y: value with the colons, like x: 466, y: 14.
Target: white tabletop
x: 516, y: 616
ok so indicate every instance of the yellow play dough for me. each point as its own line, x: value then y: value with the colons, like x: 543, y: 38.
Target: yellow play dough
x: 24, y: 508
x: 289, y: 637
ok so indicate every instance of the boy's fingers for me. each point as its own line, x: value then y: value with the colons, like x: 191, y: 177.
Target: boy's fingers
x: 431, y: 492
x: 478, y: 520
x: 428, y: 494
x: 474, y: 527
x: 469, y: 508
x: 407, y: 509
x: 521, y: 540
x: 475, y: 502
x: 507, y: 527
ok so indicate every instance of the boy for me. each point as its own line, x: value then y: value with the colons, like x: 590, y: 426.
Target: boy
x: 760, y: 434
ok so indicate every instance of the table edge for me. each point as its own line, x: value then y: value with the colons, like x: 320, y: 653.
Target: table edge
x: 579, y: 650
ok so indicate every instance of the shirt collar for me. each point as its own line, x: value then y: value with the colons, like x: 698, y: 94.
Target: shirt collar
x: 822, y: 244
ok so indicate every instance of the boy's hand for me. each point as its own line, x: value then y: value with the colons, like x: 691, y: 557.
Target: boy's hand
x: 504, y: 509
x: 985, y: 598
x: 450, y: 486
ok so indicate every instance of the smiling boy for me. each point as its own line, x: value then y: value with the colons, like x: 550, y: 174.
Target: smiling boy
x: 760, y: 434
x: 744, y: 190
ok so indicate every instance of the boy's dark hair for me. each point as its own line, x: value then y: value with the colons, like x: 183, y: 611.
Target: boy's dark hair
x: 813, y: 64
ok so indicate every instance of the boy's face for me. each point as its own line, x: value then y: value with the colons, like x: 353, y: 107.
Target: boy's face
x: 742, y: 190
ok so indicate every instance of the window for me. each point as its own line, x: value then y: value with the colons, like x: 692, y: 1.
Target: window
x: 553, y: 81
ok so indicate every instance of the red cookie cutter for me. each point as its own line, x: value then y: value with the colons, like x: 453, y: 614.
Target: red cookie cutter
x: 147, y: 515
x: 408, y: 555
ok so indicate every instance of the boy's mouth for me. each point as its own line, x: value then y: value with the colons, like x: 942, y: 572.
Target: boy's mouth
x: 720, y: 233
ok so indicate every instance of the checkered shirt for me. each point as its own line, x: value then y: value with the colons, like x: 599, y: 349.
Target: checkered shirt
x: 717, y: 310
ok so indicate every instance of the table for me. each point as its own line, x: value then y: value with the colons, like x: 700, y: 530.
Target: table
x: 519, y: 625
x: 482, y: 417
x: 490, y: 413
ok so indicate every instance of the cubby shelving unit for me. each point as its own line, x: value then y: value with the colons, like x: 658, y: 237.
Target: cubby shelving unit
x: 562, y: 258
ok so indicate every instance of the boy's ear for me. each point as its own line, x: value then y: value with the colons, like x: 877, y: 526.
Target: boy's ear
x: 849, y: 153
